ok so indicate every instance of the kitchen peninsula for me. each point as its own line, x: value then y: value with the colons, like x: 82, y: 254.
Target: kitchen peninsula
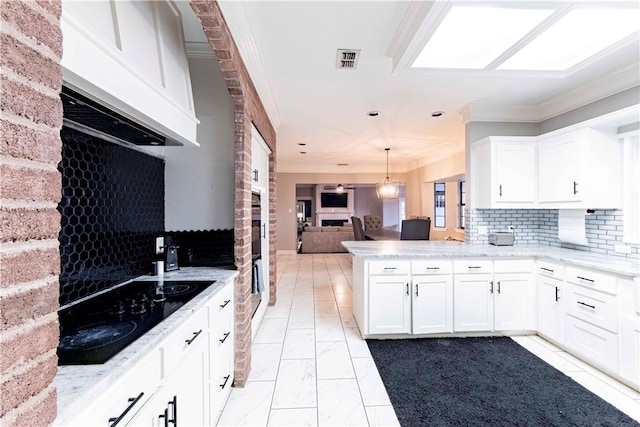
x: 585, y: 303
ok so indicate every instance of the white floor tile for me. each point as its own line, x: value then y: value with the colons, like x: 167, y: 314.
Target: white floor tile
x: 299, y: 344
x: 271, y: 331
x: 344, y: 300
x: 296, y: 384
x: 255, y: 395
x: 329, y: 329
x: 323, y: 294
x: 543, y: 352
x: 339, y: 404
x: 303, y: 417
x: 301, y: 319
x: 326, y: 309
x: 342, y: 288
x: 544, y: 342
x: 265, y: 359
x: 382, y: 416
x: 371, y: 386
x: 333, y: 361
x: 346, y: 316
x: 357, y: 345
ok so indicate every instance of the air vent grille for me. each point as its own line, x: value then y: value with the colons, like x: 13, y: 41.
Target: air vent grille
x: 347, y: 58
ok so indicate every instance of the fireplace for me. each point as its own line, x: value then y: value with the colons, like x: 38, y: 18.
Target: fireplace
x: 334, y: 222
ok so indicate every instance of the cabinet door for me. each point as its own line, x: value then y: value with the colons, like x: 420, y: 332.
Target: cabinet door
x: 560, y: 166
x: 551, y: 308
x: 515, y: 173
x: 389, y: 305
x: 432, y: 304
x: 513, y: 302
x: 473, y: 302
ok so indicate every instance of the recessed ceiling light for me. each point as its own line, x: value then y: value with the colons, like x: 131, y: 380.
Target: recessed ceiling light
x: 303, y: 152
x: 490, y: 31
x: 437, y: 113
x: 373, y: 113
x: 343, y: 164
x: 301, y: 143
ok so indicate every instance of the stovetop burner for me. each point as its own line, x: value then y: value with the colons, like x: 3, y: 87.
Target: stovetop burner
x: 96, y: 329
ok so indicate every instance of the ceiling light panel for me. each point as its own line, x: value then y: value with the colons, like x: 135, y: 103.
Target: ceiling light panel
x: 577, y: 36
x: 472, y: 37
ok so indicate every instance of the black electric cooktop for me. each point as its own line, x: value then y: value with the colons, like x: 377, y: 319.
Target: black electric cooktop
x: 94, y: 330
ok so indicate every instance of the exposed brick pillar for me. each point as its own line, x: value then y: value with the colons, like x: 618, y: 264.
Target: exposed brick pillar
x: 248, y: 110
x: 30, y: 185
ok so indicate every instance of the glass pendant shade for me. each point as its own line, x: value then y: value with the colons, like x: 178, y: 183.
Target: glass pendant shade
x: 388, y: 189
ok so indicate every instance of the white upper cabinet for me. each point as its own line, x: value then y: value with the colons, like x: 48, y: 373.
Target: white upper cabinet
x: 130, y: 55
x: 259, y: 162
x: 504, y: 172
x: 580, y: 169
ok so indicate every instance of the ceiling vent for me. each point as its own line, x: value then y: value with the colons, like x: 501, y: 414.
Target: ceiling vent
x: 347, y: 58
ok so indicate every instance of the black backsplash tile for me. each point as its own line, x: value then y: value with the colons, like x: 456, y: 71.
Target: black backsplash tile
x: 204, y: 248
x: 112, y: 209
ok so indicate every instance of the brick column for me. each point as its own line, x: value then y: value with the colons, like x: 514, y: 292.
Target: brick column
x: 30, y: 185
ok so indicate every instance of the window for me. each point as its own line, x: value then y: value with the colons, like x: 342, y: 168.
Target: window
x: 439, y: 209
x: 461, y: 203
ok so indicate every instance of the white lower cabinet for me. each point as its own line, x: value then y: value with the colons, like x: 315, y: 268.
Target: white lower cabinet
x: 592, y: 343
x: 390, y: 304
x: 551, y: 312
x: 514, y: 302
x: 432, y: 304
x: 473, y: 302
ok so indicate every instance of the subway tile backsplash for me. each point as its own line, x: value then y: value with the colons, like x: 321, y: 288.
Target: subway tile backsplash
x: 604, y: 229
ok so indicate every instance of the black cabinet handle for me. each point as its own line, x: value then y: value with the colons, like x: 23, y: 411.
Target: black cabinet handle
x: 255, y: 175
x: 433, y: 268
x: 593, y: 307
x: 225, y: 303
x: 491, y: 287
x: 225, y: 337
x: 264, y: 231
x: 165, y: 416
x: 548, y: 270
x: 500, y: 190
x: 224, y: 384
x: 195, y: 335
x: 474, y: 267
x: 417, y: 289
x: 585, y: 279
x: 557, y: 294
x: 575, y: 187
x: 390, y: 268
x: 174, y: 404
x: 498, y: 286
x: 407, y: 289
x: 132, y: 402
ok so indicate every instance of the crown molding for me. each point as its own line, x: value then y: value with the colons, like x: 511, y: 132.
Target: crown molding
x: 478, y: 112
x: 238, y: 22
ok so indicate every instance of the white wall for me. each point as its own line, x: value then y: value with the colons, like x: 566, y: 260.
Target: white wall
x: 199, y: 182
x: 366, y: 202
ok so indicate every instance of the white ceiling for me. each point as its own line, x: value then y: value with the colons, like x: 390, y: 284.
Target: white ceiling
x: 290, y: 50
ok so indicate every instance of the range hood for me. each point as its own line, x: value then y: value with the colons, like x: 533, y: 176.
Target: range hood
x: 86, y: 115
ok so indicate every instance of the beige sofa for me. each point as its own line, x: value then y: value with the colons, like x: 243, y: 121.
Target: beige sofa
x: 325, y: 239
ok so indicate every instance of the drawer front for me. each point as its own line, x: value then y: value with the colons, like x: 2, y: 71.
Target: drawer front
x: 221, y: 319
x: 597, y: 308
x: 591, y: 279
x: 472, y: 266
x: 179, y: 342
x: 389, y: 267
x: 592, y: 343
x: 431, y: 267
x: 513, y: 266
x: 550, y: 269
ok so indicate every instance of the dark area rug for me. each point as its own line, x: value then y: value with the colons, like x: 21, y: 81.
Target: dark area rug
x: 483, y: 382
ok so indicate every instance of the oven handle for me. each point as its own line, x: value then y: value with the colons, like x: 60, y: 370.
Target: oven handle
x: 133, y: 401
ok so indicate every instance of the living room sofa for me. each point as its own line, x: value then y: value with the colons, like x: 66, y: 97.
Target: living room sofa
x: 325, y: 239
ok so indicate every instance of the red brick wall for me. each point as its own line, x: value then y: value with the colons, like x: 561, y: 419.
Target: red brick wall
x: 248, y: 110
x: 30, y: 121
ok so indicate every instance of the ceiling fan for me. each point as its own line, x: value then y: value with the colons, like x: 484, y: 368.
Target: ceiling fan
x: 338, y: 188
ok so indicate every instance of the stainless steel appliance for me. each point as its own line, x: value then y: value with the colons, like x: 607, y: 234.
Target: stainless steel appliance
x: 94, y: 330
x: 501, y: 239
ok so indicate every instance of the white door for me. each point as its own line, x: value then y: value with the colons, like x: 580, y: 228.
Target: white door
x: 551, y: 308
x: 473, y: 302
x: 515, y: 172
x: 513, y: 305
x: 432, y: 305
x: 559, y: 162
x: 389, y: 305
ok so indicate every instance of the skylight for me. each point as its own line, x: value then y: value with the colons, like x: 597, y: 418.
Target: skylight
x: 575, y: 37
x: 510, y: 37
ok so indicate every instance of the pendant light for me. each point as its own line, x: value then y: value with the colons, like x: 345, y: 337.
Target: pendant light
x: 387, y: 189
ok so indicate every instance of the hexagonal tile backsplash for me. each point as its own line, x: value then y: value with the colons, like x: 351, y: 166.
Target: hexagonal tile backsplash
x: 112, y: 209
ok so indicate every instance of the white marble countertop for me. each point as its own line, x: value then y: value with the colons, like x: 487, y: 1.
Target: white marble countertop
x: 78, y: 385
x: 448, y: 249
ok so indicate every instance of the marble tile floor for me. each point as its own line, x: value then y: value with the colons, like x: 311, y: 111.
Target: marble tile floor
x: 310, y: 366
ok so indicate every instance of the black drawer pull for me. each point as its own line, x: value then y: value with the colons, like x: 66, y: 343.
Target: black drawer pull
x: 474, y: 267
x: 225, y: 303
x: 225, y: 337
x: 390, y: 268
x: 224, y: 384
x: 593, y: 307
x: 132, y: 402
x: 557, y: 294
x: 433, y: 268
x: 195, y: 335
x: 548, y: 270
x: 585, y: 279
